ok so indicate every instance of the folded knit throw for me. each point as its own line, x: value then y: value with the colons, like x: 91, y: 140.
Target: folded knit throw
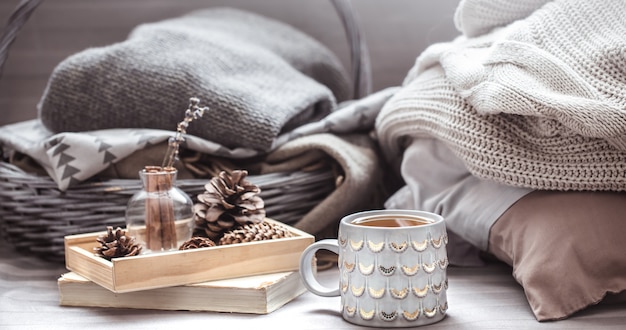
x: 258, y: 77
x: 475, y: 17
x: 538, y: 103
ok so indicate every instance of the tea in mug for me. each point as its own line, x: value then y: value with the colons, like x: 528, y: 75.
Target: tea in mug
x: 391, y: 221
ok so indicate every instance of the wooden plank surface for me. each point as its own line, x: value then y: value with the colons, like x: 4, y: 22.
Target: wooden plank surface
x: 479, y: 298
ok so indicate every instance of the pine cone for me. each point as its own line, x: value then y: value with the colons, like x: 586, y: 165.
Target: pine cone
x: 255, y: 232
x: 229, y: 201
x: 197, y: 242
x: 116, y: 244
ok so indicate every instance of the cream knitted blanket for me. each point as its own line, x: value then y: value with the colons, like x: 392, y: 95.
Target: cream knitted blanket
x: 539, y: 102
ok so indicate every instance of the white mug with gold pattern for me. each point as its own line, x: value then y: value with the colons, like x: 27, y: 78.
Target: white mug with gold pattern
x: 392, y: 266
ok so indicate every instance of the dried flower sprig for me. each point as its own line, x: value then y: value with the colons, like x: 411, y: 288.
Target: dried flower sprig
x: 193, y: 112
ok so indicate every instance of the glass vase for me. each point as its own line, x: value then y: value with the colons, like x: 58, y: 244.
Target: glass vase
x: 160, y: 215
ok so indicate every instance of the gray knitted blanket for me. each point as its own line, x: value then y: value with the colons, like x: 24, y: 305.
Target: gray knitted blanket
x: 538, y: 103
x: 258, y: 76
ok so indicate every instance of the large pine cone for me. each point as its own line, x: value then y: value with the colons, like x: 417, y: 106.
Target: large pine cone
x: 229, y: 201
x: 255, y: 232
x: 115, y: 243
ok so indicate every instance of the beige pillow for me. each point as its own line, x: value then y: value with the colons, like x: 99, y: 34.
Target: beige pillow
x: 567, y: 249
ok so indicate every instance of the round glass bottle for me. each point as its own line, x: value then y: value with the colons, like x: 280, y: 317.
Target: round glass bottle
x: 160, y: 215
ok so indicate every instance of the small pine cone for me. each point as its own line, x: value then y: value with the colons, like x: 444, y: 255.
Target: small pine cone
x: 197, y: 242
x: 229, y: 201
x: 115, y: 244
x: 255, y: 232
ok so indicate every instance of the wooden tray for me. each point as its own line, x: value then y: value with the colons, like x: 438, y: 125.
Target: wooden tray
x: 174, y: 268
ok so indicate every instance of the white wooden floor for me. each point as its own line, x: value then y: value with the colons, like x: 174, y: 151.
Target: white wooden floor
x: 479, y: 298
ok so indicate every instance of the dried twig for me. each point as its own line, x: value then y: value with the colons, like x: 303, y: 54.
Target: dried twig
x: 193, y: 112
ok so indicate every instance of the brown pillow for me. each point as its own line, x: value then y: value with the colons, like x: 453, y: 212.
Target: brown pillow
x: 567, y: 249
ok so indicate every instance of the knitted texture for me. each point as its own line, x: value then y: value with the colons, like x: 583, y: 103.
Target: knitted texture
x: 258, y: 77
x: 539, y: 104
x: 476, y: 17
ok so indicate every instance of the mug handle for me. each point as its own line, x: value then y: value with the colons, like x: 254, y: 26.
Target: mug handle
x: 306, y: 267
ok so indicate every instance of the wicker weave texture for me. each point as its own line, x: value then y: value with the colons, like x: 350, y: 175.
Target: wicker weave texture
x: 36, y: 215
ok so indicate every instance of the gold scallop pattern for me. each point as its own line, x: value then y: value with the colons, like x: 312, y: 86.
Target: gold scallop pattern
x: 375, y: 247
x: 357, y: 292
x: 411, y: 316
x: 356, y: 246
x: 430, y: 313
x: 376, y: 293
x: 419, y: 246
x: 395, y: 247
x: 437, y: 287
x: 410, y: 271
x: 365, y: 314
x: 350, y: 311
x: 443, y: 263
x: 437, y: 242
x: 399, y: 294
x: 387, y: 271
x: 429, y: 268
x: 443, y: 308
x: 388, y: 316
x: 366, y: 270
x: 421, y: 293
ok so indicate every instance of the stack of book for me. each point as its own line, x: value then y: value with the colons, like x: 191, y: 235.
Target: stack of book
x: 253, y: 277
x: 259, y: 294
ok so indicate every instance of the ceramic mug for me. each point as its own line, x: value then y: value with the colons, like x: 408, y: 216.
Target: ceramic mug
x: 392, y: 268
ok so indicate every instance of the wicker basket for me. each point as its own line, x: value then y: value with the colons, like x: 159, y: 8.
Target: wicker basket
x: 35, y: 215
